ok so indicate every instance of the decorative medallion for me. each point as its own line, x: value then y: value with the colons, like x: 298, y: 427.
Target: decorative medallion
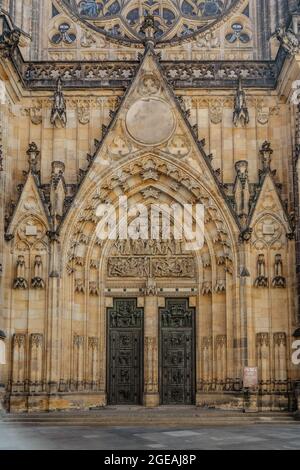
x: 150, y: 121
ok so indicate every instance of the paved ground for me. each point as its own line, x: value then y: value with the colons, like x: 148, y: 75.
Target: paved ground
x: 34, y: 437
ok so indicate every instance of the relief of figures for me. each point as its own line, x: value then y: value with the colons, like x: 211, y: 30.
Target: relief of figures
x: 146, y: 267
x: 148, y: 247
x: 174, y: 267
x: 128, y: 267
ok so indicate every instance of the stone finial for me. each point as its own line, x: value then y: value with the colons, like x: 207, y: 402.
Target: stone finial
x: 59, y: 109
x: 9, y: 41
x: 149, y: 29
x: 240, y: 113
x: 266, y: 153
x: 33, y: 157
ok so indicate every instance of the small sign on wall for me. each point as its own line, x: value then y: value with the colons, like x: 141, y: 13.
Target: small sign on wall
x: 2, y: 353
x: 250, y: 377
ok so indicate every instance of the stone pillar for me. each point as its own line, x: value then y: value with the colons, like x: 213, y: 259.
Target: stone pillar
x: 53, y: 339
x: 3, y: 152
x: 151, y: 393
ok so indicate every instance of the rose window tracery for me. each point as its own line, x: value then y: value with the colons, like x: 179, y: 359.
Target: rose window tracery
x: 174, y: 19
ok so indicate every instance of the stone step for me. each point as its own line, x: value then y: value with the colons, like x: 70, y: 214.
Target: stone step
x: 157, y: 417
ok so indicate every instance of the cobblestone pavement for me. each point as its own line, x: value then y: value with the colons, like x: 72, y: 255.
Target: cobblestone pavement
x: 27, y: 437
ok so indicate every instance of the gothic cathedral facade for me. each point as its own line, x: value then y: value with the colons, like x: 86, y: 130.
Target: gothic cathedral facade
x: 170, y: 102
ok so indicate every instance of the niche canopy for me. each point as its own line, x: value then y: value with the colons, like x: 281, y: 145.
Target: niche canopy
x: 175, y: 19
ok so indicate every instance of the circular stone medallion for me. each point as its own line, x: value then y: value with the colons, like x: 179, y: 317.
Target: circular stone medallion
x: 150, y: 121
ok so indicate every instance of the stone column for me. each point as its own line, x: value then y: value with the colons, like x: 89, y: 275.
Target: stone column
x: 151, y: 393
x: 53, y: 339
x: 3, y: 166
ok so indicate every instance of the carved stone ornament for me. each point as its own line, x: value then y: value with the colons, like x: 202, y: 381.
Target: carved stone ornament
x: 261, y: 280
x: 216, y: 113
x: 59, y: 110
x: 9, y: 41
x: 125, y: 314
x: 266, y: 153
x: 287, y: 39
x: 144, y: 123
x: 33, y: 154
x: 206, y: 288
x: 151, y: 288
x: 35, y: 114
x: 83, y: 114
x: 20, y: 282
x: 241, y: 113
x: 279, y: 280
x: 37, y: 282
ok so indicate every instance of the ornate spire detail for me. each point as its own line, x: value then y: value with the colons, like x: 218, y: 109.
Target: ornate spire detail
x: 149, y: 29
x: 241, y: 113
x: 9, y: 41
x: 59, y: 108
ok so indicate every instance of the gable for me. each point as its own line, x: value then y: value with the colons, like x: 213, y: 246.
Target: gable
x: 150, y: 120
x: 30, y: 205
x: 269, y: 202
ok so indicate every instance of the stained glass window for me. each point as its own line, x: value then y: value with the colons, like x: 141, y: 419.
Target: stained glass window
x: 174, y: 18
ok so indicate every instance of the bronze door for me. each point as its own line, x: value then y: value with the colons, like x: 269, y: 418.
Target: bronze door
x: 125, y: 353
x: 177, y: 353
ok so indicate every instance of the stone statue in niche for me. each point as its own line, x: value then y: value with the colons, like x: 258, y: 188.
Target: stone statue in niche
x: 262, y: 279
x: 241, y: 113
x: 279, y: 280
x: 37, y: 282
x: 59, y: 109
x: 20, y: 281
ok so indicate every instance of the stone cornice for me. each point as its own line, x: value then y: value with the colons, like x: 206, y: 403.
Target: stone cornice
x: 42, y: 75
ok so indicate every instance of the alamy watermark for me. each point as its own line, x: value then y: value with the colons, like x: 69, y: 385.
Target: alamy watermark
x: 155, y: 222
x: 295, y: 99
x: 296, y: 353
